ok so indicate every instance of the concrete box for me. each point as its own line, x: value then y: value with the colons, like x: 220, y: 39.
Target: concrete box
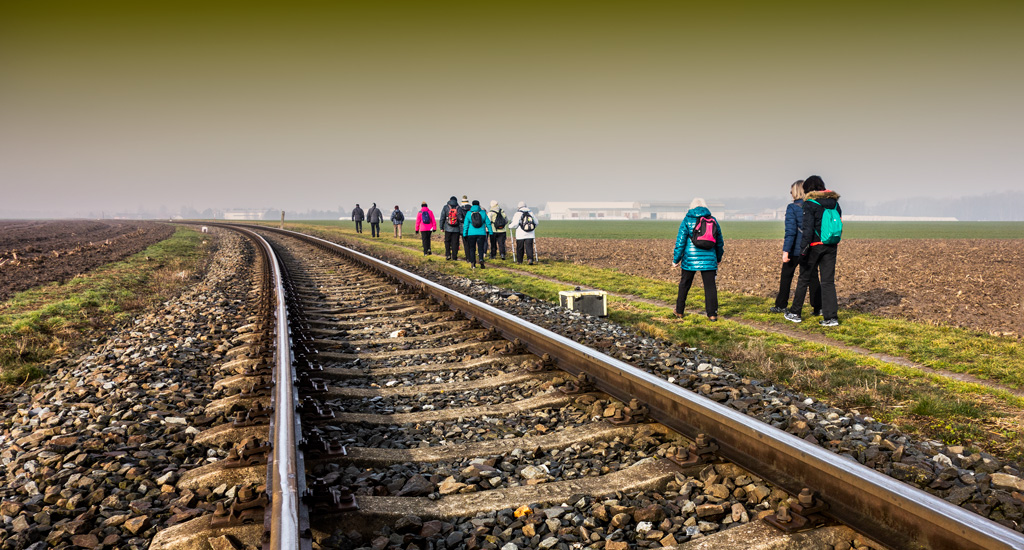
x: 591, y: 302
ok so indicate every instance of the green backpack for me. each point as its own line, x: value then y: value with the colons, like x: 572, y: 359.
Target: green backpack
x: 831, y: 225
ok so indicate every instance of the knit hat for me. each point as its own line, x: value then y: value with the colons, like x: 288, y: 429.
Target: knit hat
x: 452, y: 198
x: 698, y: 202
x: 476, y: 203
x: 494, y: 203
x: 521, y: 204
x: 424, y: 203
x: 465, y: 198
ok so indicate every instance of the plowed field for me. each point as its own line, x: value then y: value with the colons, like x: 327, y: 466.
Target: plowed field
x: 976, y: 284
x: 37, y: 252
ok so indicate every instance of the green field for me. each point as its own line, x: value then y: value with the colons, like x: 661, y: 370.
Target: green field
x: 655, y: 229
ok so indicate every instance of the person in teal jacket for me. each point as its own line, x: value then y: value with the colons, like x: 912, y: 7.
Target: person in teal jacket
x: 476, y: 237
x: 693, y: 258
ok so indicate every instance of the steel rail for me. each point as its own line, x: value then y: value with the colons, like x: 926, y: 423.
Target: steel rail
x: 882, y: 508
x: 286, y: 475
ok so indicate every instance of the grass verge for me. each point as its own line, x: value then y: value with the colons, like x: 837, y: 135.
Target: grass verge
x: 917, y: 402
x: 41, y: 323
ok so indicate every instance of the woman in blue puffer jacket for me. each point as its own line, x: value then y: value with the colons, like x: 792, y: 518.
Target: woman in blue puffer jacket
x: 693, y: 256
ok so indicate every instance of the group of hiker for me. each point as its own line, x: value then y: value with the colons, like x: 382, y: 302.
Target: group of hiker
x: 813, y: 230
x: 464, y: 224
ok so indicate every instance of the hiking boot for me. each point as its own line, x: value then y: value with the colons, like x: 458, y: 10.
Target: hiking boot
x: 777, y: 309
x: 795, y: 317
x: 680, y: 315
x: 530, y: 262
x: 481, y: 265
x: 829, y: 322
x: 712, y: 317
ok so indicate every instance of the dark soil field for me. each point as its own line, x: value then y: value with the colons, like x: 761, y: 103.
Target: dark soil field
x: 976, y: 284
x: 37, y: 252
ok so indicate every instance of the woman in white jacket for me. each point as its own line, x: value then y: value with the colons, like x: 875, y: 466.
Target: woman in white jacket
x: 524, y: 223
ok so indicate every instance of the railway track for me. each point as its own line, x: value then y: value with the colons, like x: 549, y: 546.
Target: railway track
x: 432, y: 420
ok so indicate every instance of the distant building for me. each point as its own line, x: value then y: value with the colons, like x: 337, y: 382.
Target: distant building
x: 620, y: 210
x: 244, y: 214
x: 862, y: 218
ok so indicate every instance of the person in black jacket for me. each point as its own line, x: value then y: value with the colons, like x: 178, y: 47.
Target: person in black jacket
x: 791, y: 253
x: 451, y: 227
x: 357, y: 216
x: 374, y: 216
x: 820, y: 258
x: 464, y: 207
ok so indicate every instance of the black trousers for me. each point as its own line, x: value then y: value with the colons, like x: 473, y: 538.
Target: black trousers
x: 359, y: 227
x: 451, y: 245
x: 466, y: 250
x: 425, y: 235
x: 374, y: 229
x: 524, y: 246
x: 710, y: 291
x: 821, y: 262
x: 786, y: 282
x: 476, y: 246
x: 498, y: 244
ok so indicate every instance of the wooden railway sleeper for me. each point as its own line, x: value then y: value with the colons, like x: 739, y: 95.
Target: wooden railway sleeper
x: 805, y: 512
x: 701, y: 451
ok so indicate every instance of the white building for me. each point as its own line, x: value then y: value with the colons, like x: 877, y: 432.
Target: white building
x: 620, y: 210
x: 243, y: 214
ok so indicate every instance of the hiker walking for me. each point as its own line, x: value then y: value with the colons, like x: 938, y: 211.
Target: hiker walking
x: 374, y: 216
x: 397, y: 218
x: 822, y: 230
x: 425, y: 225
x: 699, y: 247
x: 357, y: 216
x: 499, y: 222
x: 475, y: 229
x: 451, y: 228
x: 463, y: 209
x: 791, y: 253
x: 525, y: 223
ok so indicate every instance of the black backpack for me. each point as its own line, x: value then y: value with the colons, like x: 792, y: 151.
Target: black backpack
x: 527, y: 223
x: 499, y: 220
x: 703, y: 235
x: 425, y: 217
x: 400, y: 217
x: 476, y: 219
x: 462, y: 211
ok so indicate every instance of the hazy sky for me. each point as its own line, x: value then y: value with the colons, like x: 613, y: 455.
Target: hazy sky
x: 109, y: 106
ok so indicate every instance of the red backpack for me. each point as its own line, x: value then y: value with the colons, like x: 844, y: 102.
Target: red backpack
x: 453, y: 217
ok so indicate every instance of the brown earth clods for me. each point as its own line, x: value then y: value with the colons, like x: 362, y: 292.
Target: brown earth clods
x: 969, y: 283
x: 38, y: 252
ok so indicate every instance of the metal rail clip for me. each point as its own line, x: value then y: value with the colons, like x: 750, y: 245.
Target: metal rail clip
x: 248, y: 508
x: 327, y: 497
x: 634, y: 413
x: 803, y: 514
x: 582, y: 384
x: 545, y: 363
x: 258, y: 415
x: 701, y: 451
x: 250, y: 452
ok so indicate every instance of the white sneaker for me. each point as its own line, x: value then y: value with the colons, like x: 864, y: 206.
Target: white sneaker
x: 790, y: 316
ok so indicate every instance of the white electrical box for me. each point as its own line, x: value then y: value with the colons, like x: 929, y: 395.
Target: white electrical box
x: 591, y: 302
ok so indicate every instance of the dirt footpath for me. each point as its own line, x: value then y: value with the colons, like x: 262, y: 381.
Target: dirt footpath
x: 977, y: 284
x: 37, y: 252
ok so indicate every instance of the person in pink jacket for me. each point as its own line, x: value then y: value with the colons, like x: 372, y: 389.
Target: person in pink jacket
x: 425, y: 225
